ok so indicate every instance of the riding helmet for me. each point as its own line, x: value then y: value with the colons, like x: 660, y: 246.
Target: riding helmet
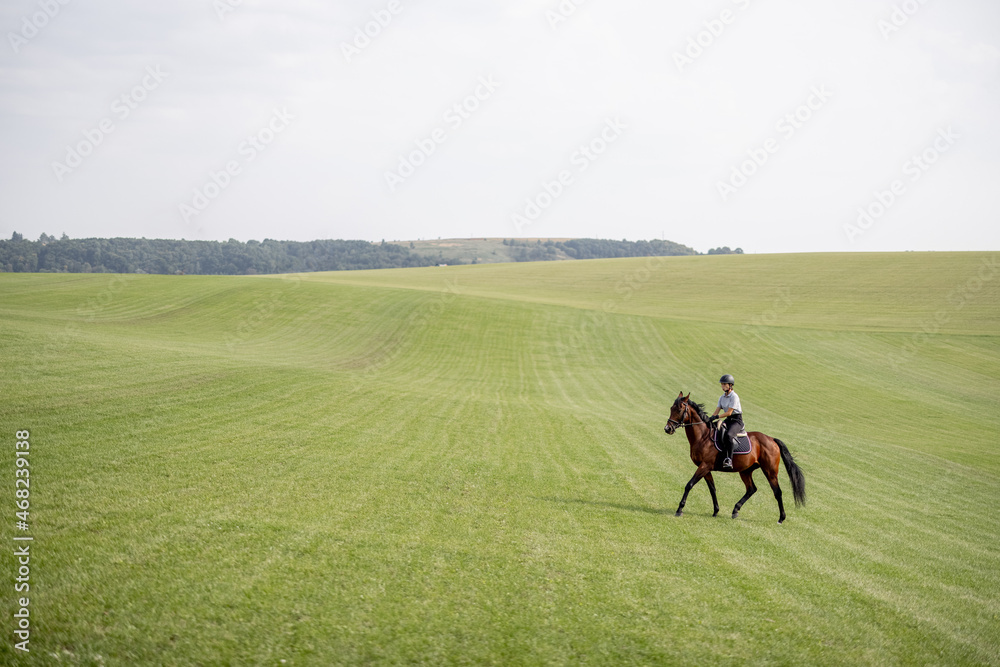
x: 727, y: 379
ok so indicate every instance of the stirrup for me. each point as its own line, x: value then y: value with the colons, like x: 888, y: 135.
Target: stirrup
x: 728, y: 463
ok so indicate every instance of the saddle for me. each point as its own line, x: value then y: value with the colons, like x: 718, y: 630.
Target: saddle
x: 742, y: 442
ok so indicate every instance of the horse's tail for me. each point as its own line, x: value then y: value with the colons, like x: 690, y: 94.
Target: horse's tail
x: 795, y: 475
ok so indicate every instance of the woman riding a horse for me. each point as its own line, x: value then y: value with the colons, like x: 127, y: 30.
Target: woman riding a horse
x: 765, y: 453
x: 731, y: 420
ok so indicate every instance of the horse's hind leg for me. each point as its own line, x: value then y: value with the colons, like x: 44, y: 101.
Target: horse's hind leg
x: 747, y: 477
x: 772, y: 479
x: 715, y: 499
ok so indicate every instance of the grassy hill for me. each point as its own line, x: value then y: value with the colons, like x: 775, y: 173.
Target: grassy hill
x: 468, y: 465
x: 472, y: 250
x: 495, y: 250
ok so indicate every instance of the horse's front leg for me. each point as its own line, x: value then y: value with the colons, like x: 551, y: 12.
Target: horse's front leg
x: 701, y: 472
x: 711, y: 487
x: 747, y: 477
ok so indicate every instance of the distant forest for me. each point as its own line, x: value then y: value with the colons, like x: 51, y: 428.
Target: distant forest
x: 123, y: 255
x: 539, y: 251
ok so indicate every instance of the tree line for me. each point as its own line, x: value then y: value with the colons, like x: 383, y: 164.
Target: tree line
x: 232, y: 257
x: 527, y: 251
x: 164, y: 256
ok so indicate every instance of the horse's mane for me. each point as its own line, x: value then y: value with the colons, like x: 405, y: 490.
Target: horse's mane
x: 698, y: 407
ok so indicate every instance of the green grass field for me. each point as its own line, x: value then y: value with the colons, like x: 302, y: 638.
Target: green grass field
x: 467, y: 465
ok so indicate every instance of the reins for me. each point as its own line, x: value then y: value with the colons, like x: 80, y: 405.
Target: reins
x: 686, y: 424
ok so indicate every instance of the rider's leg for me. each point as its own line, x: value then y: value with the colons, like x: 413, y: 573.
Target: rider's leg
x: 733, y: 426
x: 727, y: 446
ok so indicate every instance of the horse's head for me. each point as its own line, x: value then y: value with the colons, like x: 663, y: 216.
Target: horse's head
x: 680, y: 413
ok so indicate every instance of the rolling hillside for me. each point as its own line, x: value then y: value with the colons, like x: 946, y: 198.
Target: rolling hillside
x: 494, y: 250
x: 467, y: 465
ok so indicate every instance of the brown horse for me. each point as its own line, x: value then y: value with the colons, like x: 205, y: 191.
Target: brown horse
x: 764, y: 454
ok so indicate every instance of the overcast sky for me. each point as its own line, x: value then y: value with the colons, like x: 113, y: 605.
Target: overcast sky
x: 772, y: 125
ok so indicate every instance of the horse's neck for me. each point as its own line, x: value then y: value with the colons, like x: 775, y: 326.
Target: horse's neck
x: 697, y: 433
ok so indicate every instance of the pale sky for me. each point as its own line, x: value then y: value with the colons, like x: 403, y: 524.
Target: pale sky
x: 763, y: 124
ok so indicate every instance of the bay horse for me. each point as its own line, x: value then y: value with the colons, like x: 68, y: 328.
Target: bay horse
x: 764, y: 454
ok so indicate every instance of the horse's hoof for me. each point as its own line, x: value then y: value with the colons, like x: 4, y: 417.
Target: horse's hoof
x: 735, y: 514
x: 779, y: 523
x: 716, y: 514
x: 678, y: 513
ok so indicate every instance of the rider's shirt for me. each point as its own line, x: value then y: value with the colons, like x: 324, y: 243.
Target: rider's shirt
x: 731, y: 401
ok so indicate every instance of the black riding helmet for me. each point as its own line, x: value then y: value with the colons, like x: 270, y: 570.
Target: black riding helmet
x: 727, y: 379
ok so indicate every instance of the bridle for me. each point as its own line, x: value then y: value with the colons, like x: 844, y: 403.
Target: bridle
x: 676, y: 424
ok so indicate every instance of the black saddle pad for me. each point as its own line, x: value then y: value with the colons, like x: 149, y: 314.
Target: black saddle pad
x: 742, y: 442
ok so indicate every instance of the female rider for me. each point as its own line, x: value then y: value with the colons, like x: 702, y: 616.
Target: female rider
x: 731, y: 419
